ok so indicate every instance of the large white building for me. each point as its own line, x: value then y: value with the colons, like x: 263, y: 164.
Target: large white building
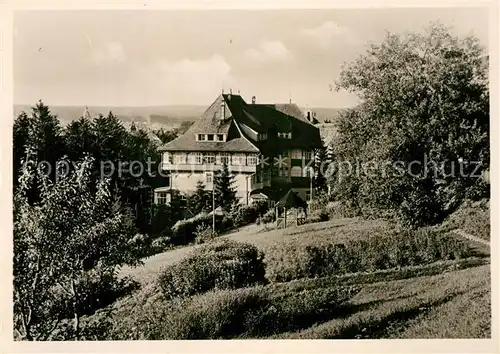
x: 269, y: 148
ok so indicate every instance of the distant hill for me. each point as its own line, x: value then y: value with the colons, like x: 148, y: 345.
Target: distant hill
x: 166, y: 117
x: 156, y: 117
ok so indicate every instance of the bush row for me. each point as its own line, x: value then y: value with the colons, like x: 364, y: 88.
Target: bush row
x: 288, y: 261
x: 184, y: 231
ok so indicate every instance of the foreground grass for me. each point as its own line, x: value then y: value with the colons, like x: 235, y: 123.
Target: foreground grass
x: 413, y: 308
x: 306, y: 308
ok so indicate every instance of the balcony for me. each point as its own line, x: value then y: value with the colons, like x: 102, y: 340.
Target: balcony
x: 186, y: 167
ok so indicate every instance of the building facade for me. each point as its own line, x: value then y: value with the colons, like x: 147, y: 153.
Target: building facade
x: 269, y: 149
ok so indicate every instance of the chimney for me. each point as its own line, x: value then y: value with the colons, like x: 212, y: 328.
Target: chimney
x: 230, y: 93
x: 253, y: 100
x: 309, y: 116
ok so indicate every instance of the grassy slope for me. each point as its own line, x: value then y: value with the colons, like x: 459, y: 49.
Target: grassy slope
x: 421, y: 307
x: 343, y: 229
x: 453, y: 304
x: 471, y: 217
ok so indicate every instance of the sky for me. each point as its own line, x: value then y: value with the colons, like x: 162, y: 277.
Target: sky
x: 167, y: 57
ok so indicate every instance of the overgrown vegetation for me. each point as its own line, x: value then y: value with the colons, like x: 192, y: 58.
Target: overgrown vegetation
x: 241, y: 313
x: 472, y: 217
x: 220, y: 265
x: 67, y: 246
x: 421, y: 135
x: 291, y: 260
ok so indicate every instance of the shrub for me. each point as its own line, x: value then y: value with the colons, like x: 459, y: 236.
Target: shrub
x: 318, y: 216
x: 204, y: 234
x: 184, y: 231
x: 269, y: 216
x: 288, y: 261
x: 247, y: 214
x: 218, y: 265
x: 160, y: 244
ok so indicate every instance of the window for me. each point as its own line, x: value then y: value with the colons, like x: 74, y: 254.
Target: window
x: 296, y: 154
x: 220, y: 137
x: 209, y: 177
x: 307, y: 154
x: 198, y: 158
x: 262, y: 136
x: 224, y: 158
x: 201, y: 137
x: 285, y: 135
x: 296, y: 171
x: 162, y: 198
x: 179, y: 158
x: 209, y: 158
x: 238, y: 159
x: 252, y: 160
x: 308, y: 195
x: 308, y: 171
x: 191, y: 158
x: 283, y: 172
x: 210, y: 137
x: 168, y: 158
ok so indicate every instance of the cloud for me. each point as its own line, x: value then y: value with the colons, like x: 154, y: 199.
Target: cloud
x: 269, y: 51
x: 190, y: 80
x: 328, y: 34
x: 113, y: 52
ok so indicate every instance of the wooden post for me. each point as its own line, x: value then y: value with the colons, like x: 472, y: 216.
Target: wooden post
x: 285, y: 218
x: 213, y: 209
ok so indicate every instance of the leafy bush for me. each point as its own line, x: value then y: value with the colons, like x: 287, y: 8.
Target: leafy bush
x: 204, y: 234
x: 218, y: 265
x: 97, y: 290
x: 318, y: 216
x: 184, y: 231
x: 247, y: 214
x: 287, y: 261
x: 269, y: 216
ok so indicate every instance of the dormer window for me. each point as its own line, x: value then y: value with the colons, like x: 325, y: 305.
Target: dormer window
x: 285, y: 135
x: 210, y: 137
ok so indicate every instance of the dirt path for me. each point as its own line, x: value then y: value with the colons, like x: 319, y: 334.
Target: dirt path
x: 478, y: 244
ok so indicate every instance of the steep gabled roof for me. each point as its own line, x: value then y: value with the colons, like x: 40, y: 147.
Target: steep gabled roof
x: 291, y: 200
x: 259, y: 118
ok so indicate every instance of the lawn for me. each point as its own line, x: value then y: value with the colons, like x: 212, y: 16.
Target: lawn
x: 450, y: 305
x: 449, y: 298
x: 339, y: 230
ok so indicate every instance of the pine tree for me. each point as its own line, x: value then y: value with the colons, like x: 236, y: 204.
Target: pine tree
x: 79, y: 139
x: 21, y: 137
x: 320, y: 168
x: 200, y: 200
x: 225, y: 192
